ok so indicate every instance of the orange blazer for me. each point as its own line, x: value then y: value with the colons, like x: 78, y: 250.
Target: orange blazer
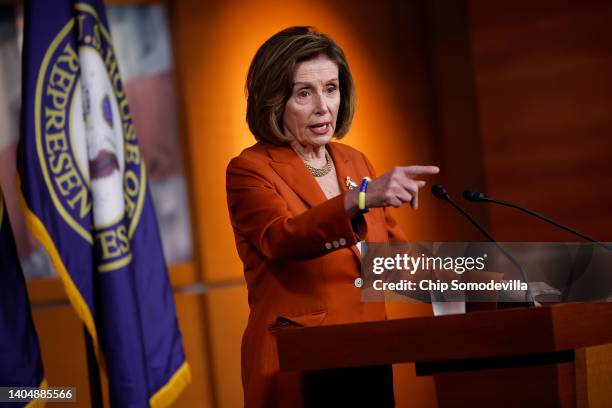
x: 299, y: 255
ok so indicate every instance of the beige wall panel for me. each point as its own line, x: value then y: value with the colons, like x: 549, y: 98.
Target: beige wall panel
x: 190, y: 313
x: 594, y: 376
x: 227, y: 311
x: 60, y: 334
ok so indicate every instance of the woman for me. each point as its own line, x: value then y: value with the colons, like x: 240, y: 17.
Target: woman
x: 297, y: 219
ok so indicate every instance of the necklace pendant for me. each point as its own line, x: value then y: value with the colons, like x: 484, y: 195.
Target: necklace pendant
x: 350, y: 184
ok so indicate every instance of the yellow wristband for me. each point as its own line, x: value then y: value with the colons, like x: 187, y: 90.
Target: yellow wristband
x: 362, y: 194
x: 362, y: 202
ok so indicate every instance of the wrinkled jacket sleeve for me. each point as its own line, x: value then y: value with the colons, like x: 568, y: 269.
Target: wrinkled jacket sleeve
x: 261, y: 215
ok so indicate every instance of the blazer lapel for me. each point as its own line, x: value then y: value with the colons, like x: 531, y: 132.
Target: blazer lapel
x: 290, y: 168
x: 344, y: 168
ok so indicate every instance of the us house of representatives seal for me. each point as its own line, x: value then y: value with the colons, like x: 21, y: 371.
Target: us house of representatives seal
x: 85, y: 139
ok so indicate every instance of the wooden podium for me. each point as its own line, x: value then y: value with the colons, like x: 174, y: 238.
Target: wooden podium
x: 513, y: 357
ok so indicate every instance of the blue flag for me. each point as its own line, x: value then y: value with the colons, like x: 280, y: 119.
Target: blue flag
x: 85, y: 195
x: 20, y: 363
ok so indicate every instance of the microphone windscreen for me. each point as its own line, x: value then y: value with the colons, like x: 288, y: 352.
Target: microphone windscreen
x: 439, y: 191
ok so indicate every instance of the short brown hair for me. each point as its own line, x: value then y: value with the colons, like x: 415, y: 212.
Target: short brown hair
x: 270, y: 81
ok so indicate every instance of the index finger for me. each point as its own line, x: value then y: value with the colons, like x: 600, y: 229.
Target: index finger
x: 421, y: 170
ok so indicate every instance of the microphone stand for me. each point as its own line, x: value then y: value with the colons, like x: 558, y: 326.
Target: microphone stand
x: 440, y: 192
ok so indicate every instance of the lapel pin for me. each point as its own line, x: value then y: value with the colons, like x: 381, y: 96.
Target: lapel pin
x: 350, y: 184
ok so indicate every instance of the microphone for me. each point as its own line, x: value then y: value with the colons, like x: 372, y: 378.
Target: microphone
x: 474, y: 196
x: 477, y: 196
x: 440, y: 192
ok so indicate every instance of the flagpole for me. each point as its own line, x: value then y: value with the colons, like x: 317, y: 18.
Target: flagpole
x: 93, y: 371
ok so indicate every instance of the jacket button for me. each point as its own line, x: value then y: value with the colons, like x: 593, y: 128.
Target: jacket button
x: 328, y: 245
x: 342, y: 241
x: 336, y: 244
